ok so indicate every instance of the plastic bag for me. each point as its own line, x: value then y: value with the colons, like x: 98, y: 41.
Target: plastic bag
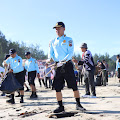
x: 10, y: 84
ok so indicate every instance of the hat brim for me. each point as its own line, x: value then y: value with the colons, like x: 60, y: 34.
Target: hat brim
x: 57, y: 26
x: 27, y: 54
x: 83, y: 47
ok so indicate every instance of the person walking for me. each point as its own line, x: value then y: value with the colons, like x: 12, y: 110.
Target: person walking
x: 61, y: 49
x: 17, y: 69
x: 32, y: 68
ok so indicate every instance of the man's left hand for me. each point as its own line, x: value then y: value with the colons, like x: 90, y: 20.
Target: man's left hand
x: 38, y: 75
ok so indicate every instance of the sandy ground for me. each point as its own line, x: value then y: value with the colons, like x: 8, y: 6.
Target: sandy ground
x: 105, y: 107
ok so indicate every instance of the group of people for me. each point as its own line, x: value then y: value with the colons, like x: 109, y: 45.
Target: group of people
x: 103, y: 71
x: 14, y: 64
x: 60, y: 52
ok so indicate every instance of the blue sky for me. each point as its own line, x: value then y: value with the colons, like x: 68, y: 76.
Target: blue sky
x: 96, y: 22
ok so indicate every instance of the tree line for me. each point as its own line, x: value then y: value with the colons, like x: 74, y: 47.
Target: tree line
x: 37, y: 53
x: 5, y: 45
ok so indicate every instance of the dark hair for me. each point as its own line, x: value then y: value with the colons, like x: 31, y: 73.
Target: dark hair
x: 6, y: 56
x: 118, y: 56
x: 103, y: 60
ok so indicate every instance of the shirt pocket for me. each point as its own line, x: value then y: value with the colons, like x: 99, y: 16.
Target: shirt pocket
x: 64, y: 45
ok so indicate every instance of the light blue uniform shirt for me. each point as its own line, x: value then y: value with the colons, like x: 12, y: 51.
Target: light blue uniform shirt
x: 117, y: 65
x: 15, y: 64
x: 31, y: 65
x: 61, y: 48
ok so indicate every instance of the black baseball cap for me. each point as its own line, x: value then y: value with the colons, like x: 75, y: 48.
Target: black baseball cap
x: 27, y: 53
x: 12, y: 51
x: 59, y: 24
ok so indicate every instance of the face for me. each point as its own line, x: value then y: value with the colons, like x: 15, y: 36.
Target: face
x: 83, y: 49
x: 60, y: 31
x: 28, y: 56
x: 13, y: 55
x: 46, y: 65
x: 117, y: 57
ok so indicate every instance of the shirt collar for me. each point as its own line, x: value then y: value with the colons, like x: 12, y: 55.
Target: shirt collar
x: 29, y: 58
x: 61, y: 37
x: 15, y: 56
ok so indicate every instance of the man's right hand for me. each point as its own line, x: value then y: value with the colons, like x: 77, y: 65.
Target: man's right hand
x: 5, y: 64
x: 49, y: 60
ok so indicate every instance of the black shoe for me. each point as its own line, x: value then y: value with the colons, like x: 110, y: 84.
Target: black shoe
x: 12, y: 101
x: 8, y: 96
x: 80, y: 107
x: 87, y: 94
x: 59, y: 109
x: 33, y: 96
x: 27, y: 90
x: 17, y: 96
x: 93, y: 94
x: 21, y: 101
x: 3, y: 94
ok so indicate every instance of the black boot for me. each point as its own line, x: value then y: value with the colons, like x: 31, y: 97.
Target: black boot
x: 18, y: 94
x: 12, y: 100
x: 27, y: 89
x: 60, y: 108
x: 21, y: 100
x: 3, y: 94
x: 79, y: 106
x: 33, y: 95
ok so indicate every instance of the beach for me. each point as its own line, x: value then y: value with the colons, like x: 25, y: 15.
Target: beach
x: 105, y: 107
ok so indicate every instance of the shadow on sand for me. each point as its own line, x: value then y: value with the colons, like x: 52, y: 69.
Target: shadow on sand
x: 102, y: 112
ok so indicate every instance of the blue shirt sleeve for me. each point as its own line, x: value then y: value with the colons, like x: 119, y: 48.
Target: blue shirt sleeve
x: 25, y: 65
x: 117, y: 65
x: 36, y: 66
x: 70, y: 50
x: 7, y: 61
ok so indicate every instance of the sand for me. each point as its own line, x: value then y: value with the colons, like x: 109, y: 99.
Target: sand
x: 105, y: 107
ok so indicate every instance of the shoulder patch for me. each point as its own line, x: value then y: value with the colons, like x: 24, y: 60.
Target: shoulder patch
x: 70, y: 43
x: 18, y: 60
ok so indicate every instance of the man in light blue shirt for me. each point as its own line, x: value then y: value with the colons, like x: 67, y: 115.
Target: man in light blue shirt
x: 61, y: 49
x: 32, y: 67
x: 17, y: 68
